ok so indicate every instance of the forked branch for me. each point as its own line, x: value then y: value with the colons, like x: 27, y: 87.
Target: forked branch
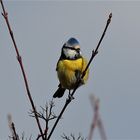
x: 46, y: 114
x: 73, y: 137
x: 97, y: 121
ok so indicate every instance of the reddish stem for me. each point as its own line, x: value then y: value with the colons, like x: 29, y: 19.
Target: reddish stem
x: 5, y: 15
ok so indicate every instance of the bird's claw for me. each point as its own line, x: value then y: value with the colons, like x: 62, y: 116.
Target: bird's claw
x: 70, y: 97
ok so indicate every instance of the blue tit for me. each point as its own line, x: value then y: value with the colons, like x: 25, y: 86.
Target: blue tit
x: 70, y: 66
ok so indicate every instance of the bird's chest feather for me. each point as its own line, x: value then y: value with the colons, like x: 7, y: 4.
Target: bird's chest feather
x: 66, y: 71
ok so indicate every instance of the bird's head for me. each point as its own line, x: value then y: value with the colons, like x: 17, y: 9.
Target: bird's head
x: 71, y: 49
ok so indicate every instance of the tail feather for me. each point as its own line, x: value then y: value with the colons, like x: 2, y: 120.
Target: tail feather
x: 59, y: 93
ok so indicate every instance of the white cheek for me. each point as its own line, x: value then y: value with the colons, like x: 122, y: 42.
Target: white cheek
x: 69, y: 53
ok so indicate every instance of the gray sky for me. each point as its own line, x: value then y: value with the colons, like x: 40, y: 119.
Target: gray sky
x: 40, y: 29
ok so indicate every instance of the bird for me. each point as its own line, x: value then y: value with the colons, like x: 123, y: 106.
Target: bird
x: 70, y: 67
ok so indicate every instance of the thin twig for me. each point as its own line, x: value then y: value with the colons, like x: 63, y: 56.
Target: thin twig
x: 101, y: 129
x: 72, y: 137
x: 46, y: 123
x: 79, y: 81
x: 65, y: 137
x: 46, y: 114
x: 95, y: 105
x: 96, y: 50
x: 49, y: 116
x: 97, y: 121
x: 5, y: 15
x: 12, y: 128
x: 15, y: 135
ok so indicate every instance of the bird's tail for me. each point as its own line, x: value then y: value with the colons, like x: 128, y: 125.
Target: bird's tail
x: 59, y: 93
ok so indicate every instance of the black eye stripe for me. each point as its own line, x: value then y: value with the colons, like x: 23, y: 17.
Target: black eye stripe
x: 71, y: 48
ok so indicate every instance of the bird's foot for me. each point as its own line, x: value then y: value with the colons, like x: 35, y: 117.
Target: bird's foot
x: 70, y: 97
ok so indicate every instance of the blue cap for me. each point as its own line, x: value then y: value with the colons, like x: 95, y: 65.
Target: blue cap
x: 72, y: 42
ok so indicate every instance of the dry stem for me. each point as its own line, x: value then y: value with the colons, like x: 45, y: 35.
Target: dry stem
x: 5, y: 15
x: 97, y: 121
x: 12, y: 128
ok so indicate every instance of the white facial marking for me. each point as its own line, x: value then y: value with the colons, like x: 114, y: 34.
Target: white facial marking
x: 69, y: 53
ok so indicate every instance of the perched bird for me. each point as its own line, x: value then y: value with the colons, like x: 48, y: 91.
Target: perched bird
x: 69, y: 67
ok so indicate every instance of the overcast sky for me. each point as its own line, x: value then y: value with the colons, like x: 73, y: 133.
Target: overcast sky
x: 40, y: 29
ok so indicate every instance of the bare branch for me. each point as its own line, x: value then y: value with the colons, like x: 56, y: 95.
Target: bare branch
x: 23, y: 137
x: 97, y: 122
x: 46, y: 114
x: 69, y: 99
x: 72, y: 137
x: 95, y: 105
x: 12, y: 128
x: 19, y: 58
x: 65, y: 137
x: 44, y: 111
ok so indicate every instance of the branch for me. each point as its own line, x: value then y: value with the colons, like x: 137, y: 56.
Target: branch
x: 72, y: 137
x: 46, y: 114
x: 68, y: 100
x: 97, y: 122
x: 95, y: 104
x: 12, y: 128
x: 19, y: 58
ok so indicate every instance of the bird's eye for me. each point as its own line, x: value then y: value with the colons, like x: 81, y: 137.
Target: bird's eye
x: 78, y: 50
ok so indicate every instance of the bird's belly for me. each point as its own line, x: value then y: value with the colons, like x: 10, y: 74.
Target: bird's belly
x: 66, y: 71
x: 67, y: 79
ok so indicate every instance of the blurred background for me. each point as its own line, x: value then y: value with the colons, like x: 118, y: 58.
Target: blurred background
x: 40, y: 29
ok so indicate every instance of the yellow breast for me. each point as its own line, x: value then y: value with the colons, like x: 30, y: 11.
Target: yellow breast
x: 66, y: 71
